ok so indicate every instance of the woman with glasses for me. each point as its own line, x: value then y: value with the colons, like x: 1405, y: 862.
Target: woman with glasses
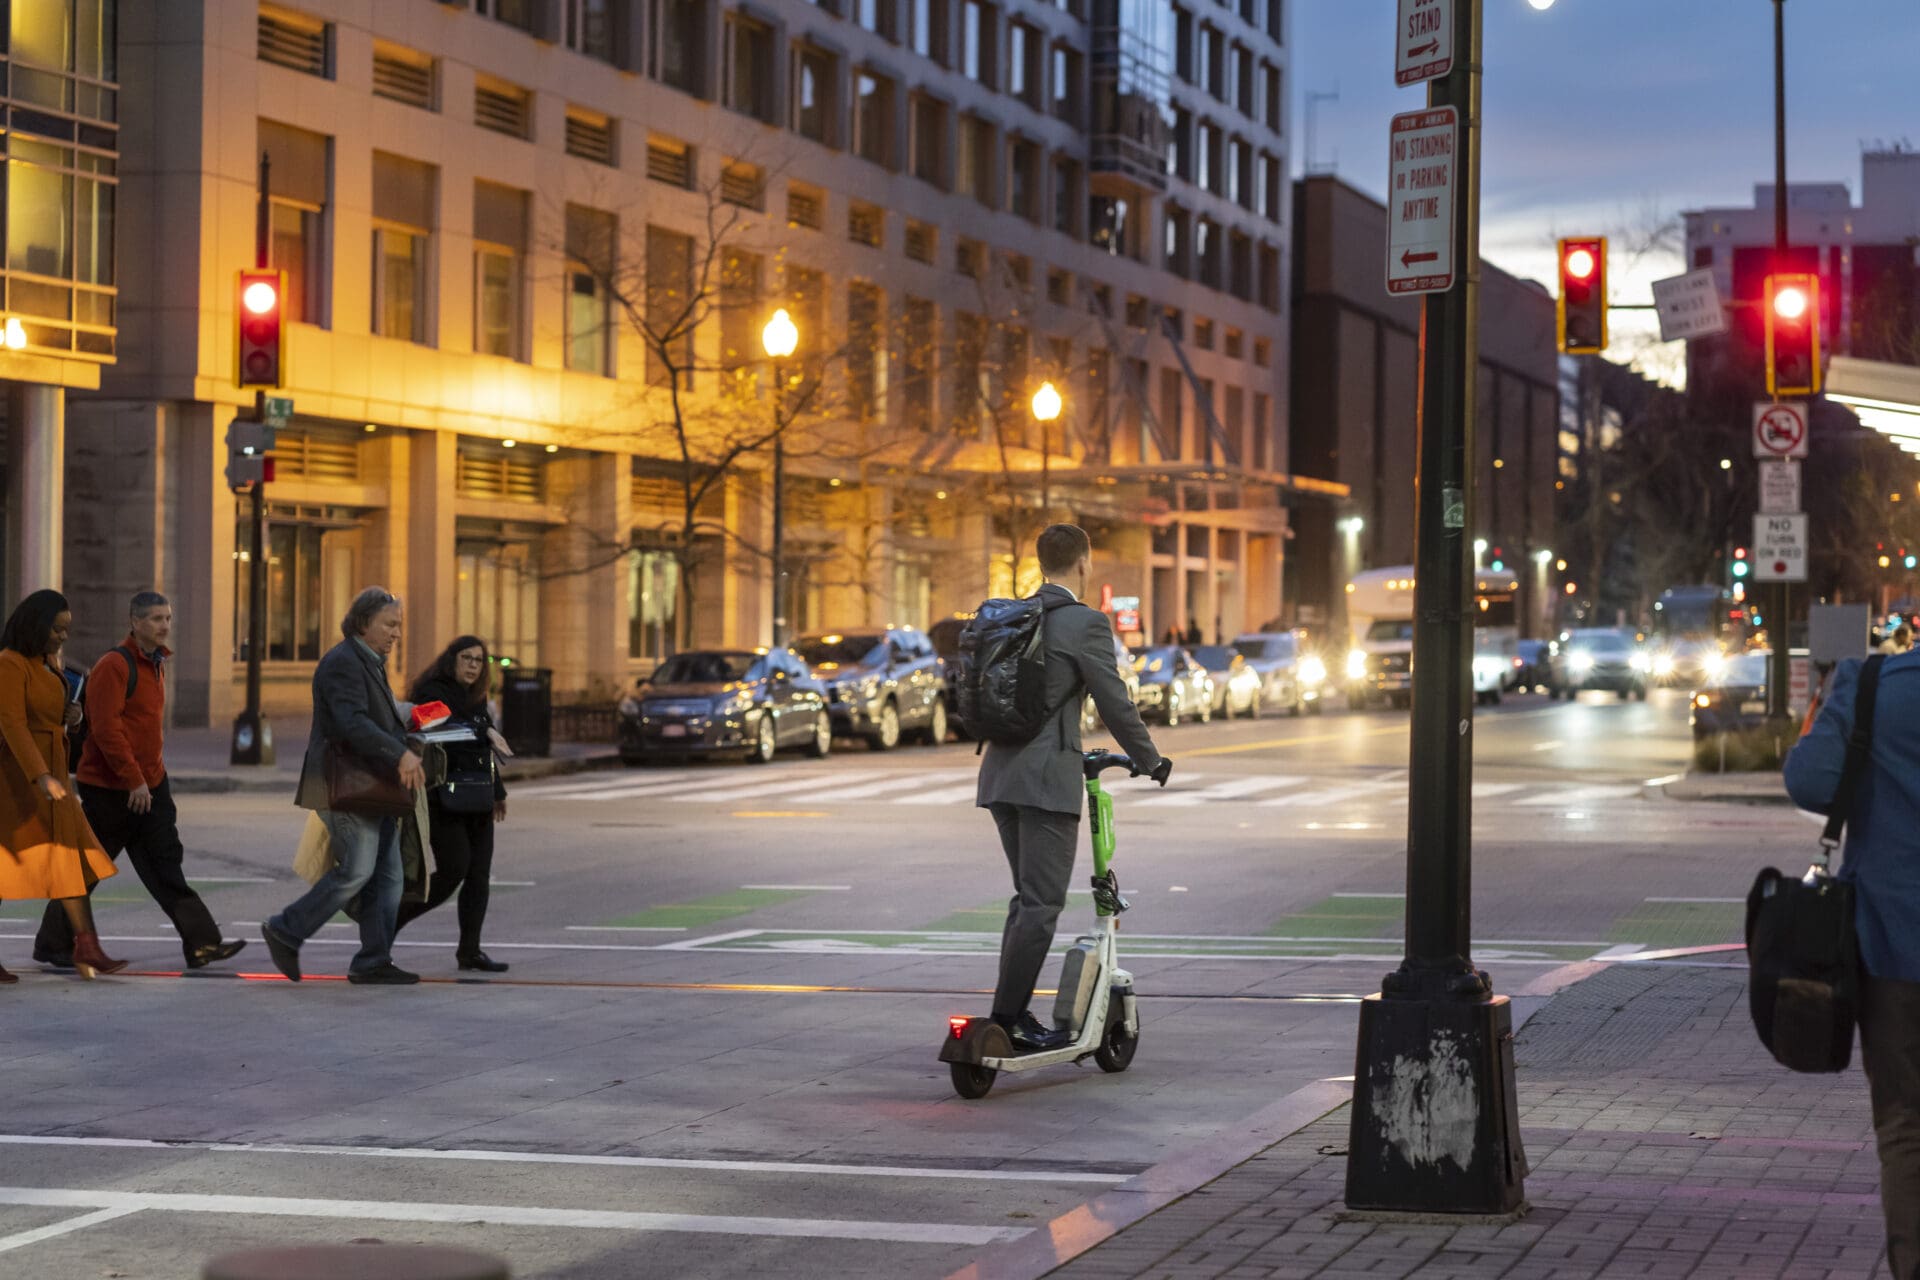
x: 463, y: 809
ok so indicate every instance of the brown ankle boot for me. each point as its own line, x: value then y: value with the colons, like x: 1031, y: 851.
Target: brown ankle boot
x: 89, y: 959
x: 6, y: 977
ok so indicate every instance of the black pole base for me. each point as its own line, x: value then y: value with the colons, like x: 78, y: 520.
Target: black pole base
x: 252, y: 739
x: 1435, y: 1122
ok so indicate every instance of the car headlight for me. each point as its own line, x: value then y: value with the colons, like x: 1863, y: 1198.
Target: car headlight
x: 1581, y: 664
x: 1702, y: 701
x: 732, y: 704
x: 630, y: 707
x: 1313, y: 672
x: 1663, y: 665
x: 1641, y: 663
x: 1713, y: 668
x: 1357, y: 665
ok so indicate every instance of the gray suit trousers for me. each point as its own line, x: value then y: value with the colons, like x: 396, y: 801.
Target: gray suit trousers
x: 1040, y: 846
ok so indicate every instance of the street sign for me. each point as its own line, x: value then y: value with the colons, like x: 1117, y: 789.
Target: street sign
x: 279, y: 410
x: 1799, y: 685
x: 1423, y: 42
x: 1780, y: 548
x: 1779, y: 486
x: 1420, y: 201
x: 1689, y: 306
x: 1780, y: 429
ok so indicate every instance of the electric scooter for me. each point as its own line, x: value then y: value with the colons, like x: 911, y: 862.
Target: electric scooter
x: 1096, y: 1002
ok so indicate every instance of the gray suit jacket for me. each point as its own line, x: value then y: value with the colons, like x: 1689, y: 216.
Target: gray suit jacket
x: 352, y: 705
x: 1045, y: 773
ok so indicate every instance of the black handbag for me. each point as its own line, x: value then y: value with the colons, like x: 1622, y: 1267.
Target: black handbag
x: 1803, y: 954
x: 470, y: 783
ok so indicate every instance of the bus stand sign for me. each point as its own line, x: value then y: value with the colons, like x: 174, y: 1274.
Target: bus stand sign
x: 1423, y: 42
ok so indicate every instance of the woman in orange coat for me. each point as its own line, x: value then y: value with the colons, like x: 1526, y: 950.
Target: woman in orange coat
x: 47, y: 850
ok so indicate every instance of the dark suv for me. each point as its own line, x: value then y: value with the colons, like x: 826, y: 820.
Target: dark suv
x: 881, y: 683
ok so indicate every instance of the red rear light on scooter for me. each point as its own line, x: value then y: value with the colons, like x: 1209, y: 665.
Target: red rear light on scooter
x: 958, y: 1026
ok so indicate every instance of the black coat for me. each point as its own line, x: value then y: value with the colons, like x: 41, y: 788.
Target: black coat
x: 352, y: 706
x: 465, y: 711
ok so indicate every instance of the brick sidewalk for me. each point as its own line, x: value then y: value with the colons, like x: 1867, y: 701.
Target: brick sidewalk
x: 1664, y: 1143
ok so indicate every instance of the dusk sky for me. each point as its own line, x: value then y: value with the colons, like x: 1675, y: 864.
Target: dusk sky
x: 1614, y: 115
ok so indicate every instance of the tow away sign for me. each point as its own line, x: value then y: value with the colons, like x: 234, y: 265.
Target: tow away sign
x: 1423, y: 42
x: 1420, y: 201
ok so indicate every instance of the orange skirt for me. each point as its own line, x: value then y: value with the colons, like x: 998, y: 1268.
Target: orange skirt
x: 67, y: 866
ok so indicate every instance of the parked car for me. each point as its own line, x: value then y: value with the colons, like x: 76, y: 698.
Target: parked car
x: 1292, y: 675
x: 1608, y: 658
x: 1090, y: 714
x: 881, y: 683
x: 1496, y: 659
x: 754, y: 702
x: 1236, y: 686
x: 1172, y: 684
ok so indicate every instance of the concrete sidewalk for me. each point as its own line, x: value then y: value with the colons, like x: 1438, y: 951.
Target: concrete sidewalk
x: 197, y: 759
x: 1664, y: 1142
x: 1761, y: 787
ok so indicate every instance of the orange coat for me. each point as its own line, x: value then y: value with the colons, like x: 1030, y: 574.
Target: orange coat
x: 47, y: 850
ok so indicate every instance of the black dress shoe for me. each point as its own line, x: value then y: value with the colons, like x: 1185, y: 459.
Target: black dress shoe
x: 204, y: 956
x: 52, y: 961
x: 285, y: 952
x: 481, y: 962
x: 1029, y: 1036
x: 387, y: 975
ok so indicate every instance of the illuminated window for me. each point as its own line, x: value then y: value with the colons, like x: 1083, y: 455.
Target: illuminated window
x: 403, y: 204
x: 590, y: 265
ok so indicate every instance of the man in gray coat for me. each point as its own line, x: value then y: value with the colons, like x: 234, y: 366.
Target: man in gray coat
x: 1036, y: 792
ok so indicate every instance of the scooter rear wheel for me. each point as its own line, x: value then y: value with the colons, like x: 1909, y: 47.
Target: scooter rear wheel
x: 1115, y: 1052
x: 971, y: 1080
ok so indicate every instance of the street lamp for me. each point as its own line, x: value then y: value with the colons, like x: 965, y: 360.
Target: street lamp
x: 1046, y: 407
x: 780, y: 339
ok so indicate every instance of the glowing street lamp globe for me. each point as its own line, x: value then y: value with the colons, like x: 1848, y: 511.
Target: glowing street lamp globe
x: 1046, y: 403
x: 781, y: 336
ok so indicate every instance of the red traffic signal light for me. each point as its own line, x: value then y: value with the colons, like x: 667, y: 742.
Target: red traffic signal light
x: 260, y: 340
x: 1793, y: 334
x: 1582, y: 310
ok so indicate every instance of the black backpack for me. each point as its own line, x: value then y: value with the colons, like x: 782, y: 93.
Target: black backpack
x: 1002, y: 689
x: 77, y: 735
x: 1802, y: 951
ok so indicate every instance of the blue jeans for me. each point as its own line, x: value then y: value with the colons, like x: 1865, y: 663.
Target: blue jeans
x: 367, y: 866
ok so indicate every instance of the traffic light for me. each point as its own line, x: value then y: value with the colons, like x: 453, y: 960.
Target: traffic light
x: 249, y: 445
x: 1740, y: 565
x: 1582, y: 311
x: 1793, y: 334
x: 259, y: 348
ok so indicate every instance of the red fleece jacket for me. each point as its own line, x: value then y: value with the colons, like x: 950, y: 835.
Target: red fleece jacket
x: 122, y: 750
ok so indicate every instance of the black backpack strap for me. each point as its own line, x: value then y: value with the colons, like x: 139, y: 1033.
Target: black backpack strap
x: 133, y: 668
x: 1859, y: 751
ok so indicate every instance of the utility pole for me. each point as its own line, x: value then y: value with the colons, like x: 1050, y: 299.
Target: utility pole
x: 1778, y: 669
x: 252, y: 735
x: 1435, y: 1124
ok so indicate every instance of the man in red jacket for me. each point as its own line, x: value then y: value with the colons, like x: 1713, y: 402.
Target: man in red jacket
x: 123, y: 788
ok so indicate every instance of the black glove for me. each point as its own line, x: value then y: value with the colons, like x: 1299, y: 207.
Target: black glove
x: 1162, y: 771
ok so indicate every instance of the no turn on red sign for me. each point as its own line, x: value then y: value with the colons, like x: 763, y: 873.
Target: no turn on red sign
x: 1420, y: 182
x: 1780, y: 548
x: 1780, y: 429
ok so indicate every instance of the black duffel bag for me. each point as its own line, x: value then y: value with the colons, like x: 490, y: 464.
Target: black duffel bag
x: 1803, y: 955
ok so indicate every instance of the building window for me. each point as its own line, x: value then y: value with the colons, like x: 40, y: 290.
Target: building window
x: 927, y: 33
x: 743, y: 184
x: 670, y: 160
x: 876, y: 16
x: 1239, y: 173
x: 1203, y: 334
x: 806, y: 206
x: 866, y: 352
x: 296, y: 605
x: 679, y: 44
x: 1060, y: 287
x: 653, y: 596
x: 873, y: 118
x: 866, y: 224
x: 671, y: 308
x: 1068, y: 90
x: 285, y: 38
x: 591, y: 25
x: 1023, y: 179
x: 1272, y: 96
x: 1025, y: 71
x: 969, y: 357
x: 969, y: 258
x: 1262, y: 450
x: 919, y: 363
x: 1178, y: 232
x: 1262, y: 352
x: 977, y: 35
x: 973, y: 171
x: 590, y: 136
x: 814, y: 73
x: 502, y: 107
x: 403, y: 75
x: 929, y: 140
x: 1243, y: 81
x: 1269, y: 277
x: 740, y: 321
x: 1183, y: 44
x: 297, y: 221
x: 749, y: 67
x: 515, y: 13
x: 807, y: 301
x: 1066, y: 196
x: 403, y: 204
x: 590, y: 266
x: 499, y: 253
x: 1236, y: 343
x: 1172, y: 425
x: 922, y: 242
x: 1206, y: 252
x: 1214, y: 69
x: 1276, y: 21
x: 1269, y: 194
x: 497, y: 592
x: 1111, y: 226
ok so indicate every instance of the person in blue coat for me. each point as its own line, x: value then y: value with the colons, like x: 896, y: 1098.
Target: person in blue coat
x: 1882, y: 861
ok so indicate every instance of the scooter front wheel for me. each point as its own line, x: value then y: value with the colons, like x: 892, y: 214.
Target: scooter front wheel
x: 973, y: 1081
x: 1115, y: 1052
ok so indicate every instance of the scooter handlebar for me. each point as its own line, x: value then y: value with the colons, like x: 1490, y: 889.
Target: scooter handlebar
x: 1095, y: 763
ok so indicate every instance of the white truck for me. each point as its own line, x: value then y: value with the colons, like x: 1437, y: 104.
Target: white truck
x: 1380, y: 619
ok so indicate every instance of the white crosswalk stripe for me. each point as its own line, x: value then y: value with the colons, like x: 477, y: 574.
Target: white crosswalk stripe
x: 1232, y: 789
x: 1574, y: 796
x: 945, y: 795
x: 1336, y: 795
x: 938, y: 777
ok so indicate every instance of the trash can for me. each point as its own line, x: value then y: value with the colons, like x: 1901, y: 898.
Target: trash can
x: 526, y: 710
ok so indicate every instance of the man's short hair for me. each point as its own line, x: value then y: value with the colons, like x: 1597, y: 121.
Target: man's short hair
x: 145, y: 602
x: 1060, y: 547
x: 365, y: 606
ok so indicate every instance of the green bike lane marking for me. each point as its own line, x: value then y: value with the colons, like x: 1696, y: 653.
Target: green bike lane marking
x: 698, y: 913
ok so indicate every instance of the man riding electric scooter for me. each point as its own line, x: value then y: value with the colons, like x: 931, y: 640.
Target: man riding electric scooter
x: 1035, y: 791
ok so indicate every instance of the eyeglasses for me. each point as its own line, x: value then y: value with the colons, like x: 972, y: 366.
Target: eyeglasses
x: 467, y: 659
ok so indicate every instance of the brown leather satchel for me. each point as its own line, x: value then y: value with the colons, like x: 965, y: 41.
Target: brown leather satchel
x: 362, y: 786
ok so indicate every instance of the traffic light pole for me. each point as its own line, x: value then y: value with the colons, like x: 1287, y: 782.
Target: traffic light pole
x: 1779, y: 710
x: 252, y: 734
x: 1435, y: 1122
